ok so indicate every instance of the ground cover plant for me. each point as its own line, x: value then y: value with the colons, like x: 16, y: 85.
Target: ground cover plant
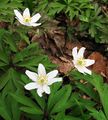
x: 53, y: 60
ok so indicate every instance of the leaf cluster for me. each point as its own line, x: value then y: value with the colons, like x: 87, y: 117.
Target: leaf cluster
x: 90, y: 14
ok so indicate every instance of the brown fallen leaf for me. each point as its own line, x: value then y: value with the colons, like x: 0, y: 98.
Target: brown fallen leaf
x: 3, y: 25
x: 100, y: 63
x: 64, y: 65
x: 21, y: 45
x: 57, y: 35
x: 70, y: 45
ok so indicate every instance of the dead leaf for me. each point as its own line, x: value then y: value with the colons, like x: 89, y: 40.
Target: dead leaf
x: 3, y: 25
x: 64, y: 65
x: 100, y: 63
x: 58, y: 37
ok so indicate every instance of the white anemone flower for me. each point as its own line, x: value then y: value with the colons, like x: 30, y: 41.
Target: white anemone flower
x: 79, y: 62
x: 42, y: 81
x: 25, y: 19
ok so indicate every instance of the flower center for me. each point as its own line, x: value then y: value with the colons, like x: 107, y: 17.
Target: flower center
x: 27, y: 19
x: 42, y: 79
x: 81, y: 62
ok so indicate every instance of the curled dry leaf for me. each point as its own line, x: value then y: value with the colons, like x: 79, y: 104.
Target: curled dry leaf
x: 64, y: 65
x: 58, y: 37
x: 70, y: 45
x: 100, y: 63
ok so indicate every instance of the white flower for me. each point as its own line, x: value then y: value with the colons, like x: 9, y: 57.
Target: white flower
x: 25, y: 19
x: 41, y: 81
x: 79, y: 62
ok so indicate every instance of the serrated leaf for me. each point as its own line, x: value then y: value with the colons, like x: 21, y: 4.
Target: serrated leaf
x: 61, y: 103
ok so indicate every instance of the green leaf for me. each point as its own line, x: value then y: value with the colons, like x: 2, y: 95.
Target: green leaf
x: 29, y: 105
x: 89, y: 90
x: 31, y: 110
x: 4, y: 57
x: 55, y: 95
x: 39, y: 100
x: 4, y: 113
x: 8, y: 39
x: 98, y: 115
x: 4, y: 79
x: 62, y: 116
x: 3, y: 110
x: 23, y: 100
x: 97, y: 82
x: 61, y: 103
x: 54, y: 89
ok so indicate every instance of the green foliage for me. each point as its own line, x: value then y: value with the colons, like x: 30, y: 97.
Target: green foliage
x: 66, y: 101
x: 9, y: 109
x: 7, y: 7
x: 88, y: 18
x: 92, y: 18
x: 71, y: 8
x: 102, y: 88
x: 13, y: 63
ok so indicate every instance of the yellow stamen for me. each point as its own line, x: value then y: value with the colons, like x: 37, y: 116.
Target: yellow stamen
x: 27, y: 19
x: 81, y: 62
x: 42, y: 79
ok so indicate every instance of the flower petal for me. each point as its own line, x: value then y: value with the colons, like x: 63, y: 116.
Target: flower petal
x: 31, y: 86
x: 46, y: 88
x: 21, y: 21
x: 27, y: 24
x: 89, y: 62
x: 80, y: 69
x: 31, y: 75
x: 81, y: 52
x: 41, y: 70
x: 74, y: 53
x: 34, y: 24
x: 40, y: 91
x: 18, y: 15
x: 52, y: 74
x: 26, y: 13
x: 35, y: 18
x: 87, y: 71
x: 51, y: 81
x: 74, y: 62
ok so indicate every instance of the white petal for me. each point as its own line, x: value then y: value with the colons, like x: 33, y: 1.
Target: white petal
x: 74, y: 62
x: 40, y: 91
x: 26, y: 13
x: 51, y: 81
x: 41, y: 70
x: 34, y: 24
x: 87, y: 71
x: 21, y: 21
x: 18, y: 15
x: 35, y: 18
x: 46, y: 88
x: 80, y: 69
x: 89, y: 62
x: 27, y: 24
x: 31, y: 86
x: 81, y: 52
x: 74, y: 53
x: 31, y: 75
x: 52, y: 74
